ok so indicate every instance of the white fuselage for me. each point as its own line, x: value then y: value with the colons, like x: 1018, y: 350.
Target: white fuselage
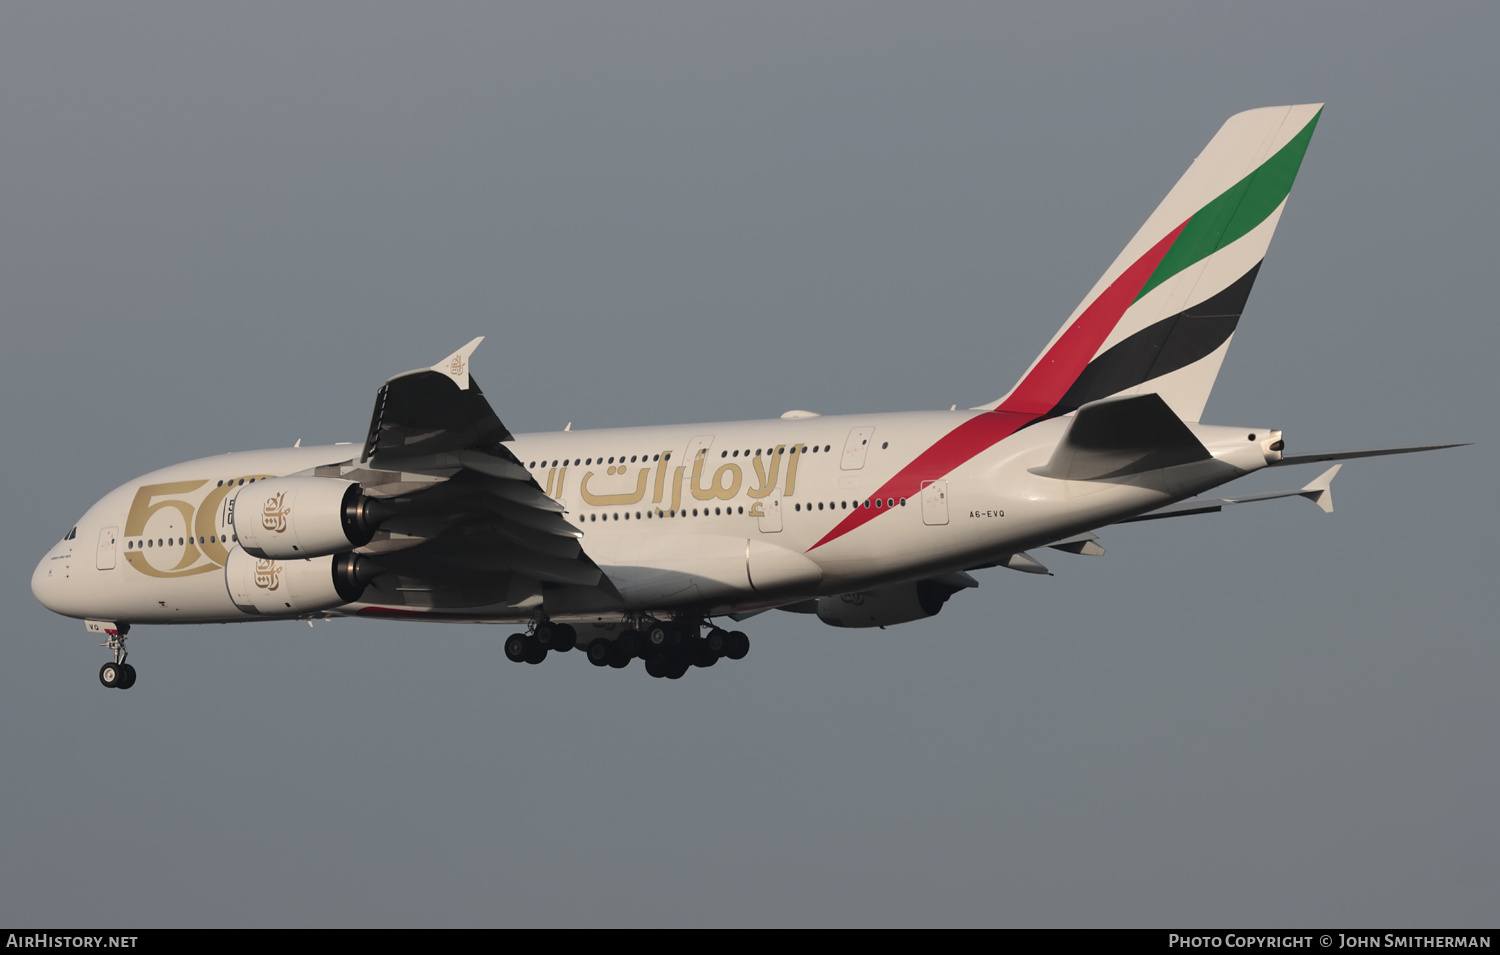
x: 716, y: 518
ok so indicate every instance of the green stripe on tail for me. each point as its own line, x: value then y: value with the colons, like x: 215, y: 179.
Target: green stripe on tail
x: 1236, y: 211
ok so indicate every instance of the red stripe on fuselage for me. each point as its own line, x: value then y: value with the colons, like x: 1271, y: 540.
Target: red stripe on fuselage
x: 1036, y: 395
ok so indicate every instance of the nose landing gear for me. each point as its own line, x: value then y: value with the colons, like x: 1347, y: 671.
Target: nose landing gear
x: 119, y: 674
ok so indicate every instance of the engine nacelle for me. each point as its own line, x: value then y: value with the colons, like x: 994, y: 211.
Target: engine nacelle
x: 290, y: 518
x: 290, y: 588
x: 886, y: 606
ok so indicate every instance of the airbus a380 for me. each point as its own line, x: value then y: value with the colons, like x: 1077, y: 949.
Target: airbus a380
x: 629, y: 542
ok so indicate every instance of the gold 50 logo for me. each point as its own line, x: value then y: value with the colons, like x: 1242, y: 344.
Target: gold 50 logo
x: 193, y: 512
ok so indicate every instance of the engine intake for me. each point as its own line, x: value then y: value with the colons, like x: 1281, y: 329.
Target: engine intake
x: 295, y: 517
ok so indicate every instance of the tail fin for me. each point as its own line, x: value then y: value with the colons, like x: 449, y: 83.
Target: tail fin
x: 1160, y: 319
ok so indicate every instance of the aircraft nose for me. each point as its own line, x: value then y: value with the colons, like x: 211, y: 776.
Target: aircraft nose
x: 49, y: 581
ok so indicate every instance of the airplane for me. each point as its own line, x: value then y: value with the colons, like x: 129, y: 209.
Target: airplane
x: 627, y: 543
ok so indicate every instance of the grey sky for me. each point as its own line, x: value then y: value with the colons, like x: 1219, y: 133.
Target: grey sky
x: 223, y: 227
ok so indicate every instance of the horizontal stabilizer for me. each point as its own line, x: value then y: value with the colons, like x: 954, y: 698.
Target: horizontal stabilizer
x: 1118, y: 437
x: 1316, y: 456
x: 1319, y: 491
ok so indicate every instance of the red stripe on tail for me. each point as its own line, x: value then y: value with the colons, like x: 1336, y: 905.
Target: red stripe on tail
x: 1036, y: 395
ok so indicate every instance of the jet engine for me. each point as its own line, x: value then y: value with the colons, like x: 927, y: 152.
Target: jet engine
x: 886, y: 606
x: 289, y: 588
x: 295, y: 517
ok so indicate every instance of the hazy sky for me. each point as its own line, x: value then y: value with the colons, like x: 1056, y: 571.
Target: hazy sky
x: 223, y: 226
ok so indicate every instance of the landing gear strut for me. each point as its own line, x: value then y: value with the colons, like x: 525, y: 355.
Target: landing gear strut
x: 119, y: 674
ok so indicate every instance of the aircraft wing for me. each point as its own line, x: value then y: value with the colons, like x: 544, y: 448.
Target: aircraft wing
x: 472, y: 525
x: 422, y: 412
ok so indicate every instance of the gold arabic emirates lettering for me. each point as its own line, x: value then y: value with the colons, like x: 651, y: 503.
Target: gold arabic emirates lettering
x: 629, y: 497
x: 267, y: 574
x: 273, y: 514
x: 725, y: 483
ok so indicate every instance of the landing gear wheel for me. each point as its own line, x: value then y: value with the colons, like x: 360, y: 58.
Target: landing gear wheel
x: 600, y: 652
x: 676, y: 667
x: 544, y: 634
x: 630, y: 642
x: 703, y: 654
x: 718, y: 641
x: 565, y: 638
x: 738, y: 645
x: 662, y: 635
x: 656, y: 667
x: 118, y: 674
x: 537, y: 655
x: 517, y: 647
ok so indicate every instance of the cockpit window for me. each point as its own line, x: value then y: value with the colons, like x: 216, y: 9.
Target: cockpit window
x: 71, y: 534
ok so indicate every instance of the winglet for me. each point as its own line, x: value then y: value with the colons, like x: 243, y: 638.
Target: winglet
x: 1320, y: 490
x: 456, y: 365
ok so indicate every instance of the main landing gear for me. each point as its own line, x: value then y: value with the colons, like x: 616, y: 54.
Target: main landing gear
x: 544, y: 637
x: 119, y: 674
x: 669, y: 648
